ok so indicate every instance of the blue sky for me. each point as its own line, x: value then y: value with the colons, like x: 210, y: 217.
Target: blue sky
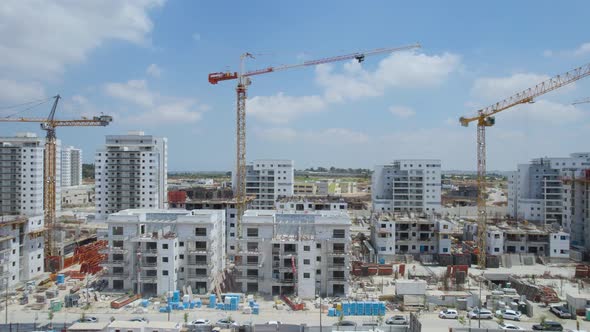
x: 146, y: 63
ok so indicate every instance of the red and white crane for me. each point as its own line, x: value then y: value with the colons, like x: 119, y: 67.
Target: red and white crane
x: 243, y: 82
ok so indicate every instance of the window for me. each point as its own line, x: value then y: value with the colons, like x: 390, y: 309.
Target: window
x: 318, y: 246
x: 338, y: 234
x: 318, y: 259
x: 306, y: 275
x: 181, y: 256
x: 252, y: 232
x: 306, y: 248
x: 306, y: 262
x: 181, y: 244
x: 165, y: 272
x: 318, y: 272
x: 200, y: 231
x: 164, y: 259
x: 164, y: 245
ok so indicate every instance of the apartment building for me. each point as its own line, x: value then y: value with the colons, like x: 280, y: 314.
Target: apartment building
x: 267, y: 180
x: 21, y: 249
x: 21, y: 178
x: 311, y: 204
x: 407, y: 185
x: 131, y: 172
x: 526, y: 238
x: 536, y: 191
x: 401, y: 234
x: 165, y: 250
x: 71, y: 167
x: 576, y: 207
x: 302, y: 253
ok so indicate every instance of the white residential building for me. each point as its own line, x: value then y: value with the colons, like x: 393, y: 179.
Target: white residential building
x: 267, y: 180
x: 407, y: 185
x: 401, y: 234
x: 303, y: 253
x: 536, y: 191
x: 131, y: 172
x: 165, y: 250
x: 311, y: 204
x: 21, y: 179
x: 21, y: 249
x: 71, y: 167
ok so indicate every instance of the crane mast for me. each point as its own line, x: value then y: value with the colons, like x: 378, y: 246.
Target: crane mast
x: 241, y: 91
x: 49, y: 124
x: 485, y: 119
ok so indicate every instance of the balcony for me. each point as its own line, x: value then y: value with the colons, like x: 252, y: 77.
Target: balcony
x: 114, y: 250
x: 111, y: 262
x: 199, y: 276
x: 199, y: 264
x: 283, y: 281
x: 111, y: 274
x: 197, y: 250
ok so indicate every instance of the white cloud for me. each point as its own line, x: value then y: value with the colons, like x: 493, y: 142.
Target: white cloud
x: 317, y: 137
x: 582, y: 50
x: 154, y: 70
x: 399, y: 70
x: 39, y: 38
x: 14, y: 92
x: 155, y: 107
x: 547, y: 53
x: 402, y: 111
x: 281, y: 109
x: 546, y: 112
x: 134, y: 91
x: 196, y: 36
x: 497, y: 88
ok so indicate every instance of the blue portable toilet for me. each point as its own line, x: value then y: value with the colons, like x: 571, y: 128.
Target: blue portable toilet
x: 352, y: 310
x: 61, y: 278
x: 255, y: 310
x: 375, y: 308
x: 381, y: 260
x: 382, y: 308
x: 360, y: 308
x: 331, y: 312
x: 346, y: 308
x: 176, y: 296
x: 368, y: 308
x: 212, y: 301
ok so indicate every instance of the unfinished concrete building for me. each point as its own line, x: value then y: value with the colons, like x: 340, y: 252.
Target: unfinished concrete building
x: 311, y: 203
x: 21, y: 249
x: 401, y: 234
x: 576, y: 192
x: 164, y: 250
x: 294, y: 253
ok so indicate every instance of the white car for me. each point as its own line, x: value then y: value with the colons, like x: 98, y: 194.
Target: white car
x: 273, y: 322
x: 199, y: 322
x: 480, y: 314
x: 226, y: 323
x: 448, y: 314
x: 509, y: 314
x: 396, y: 320
x: 508, y: 326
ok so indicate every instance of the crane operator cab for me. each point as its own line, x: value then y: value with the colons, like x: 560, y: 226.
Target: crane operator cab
x: 360, y: 58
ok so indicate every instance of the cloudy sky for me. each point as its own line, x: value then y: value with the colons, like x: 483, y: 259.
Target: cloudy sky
x: 146, y: 63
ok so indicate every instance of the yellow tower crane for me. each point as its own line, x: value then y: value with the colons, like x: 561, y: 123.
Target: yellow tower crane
x: 53, y: 261
x: 485, y: 119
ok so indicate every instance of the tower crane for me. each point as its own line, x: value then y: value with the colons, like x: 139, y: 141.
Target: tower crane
x: 582, y: 101
x: 244, y: 81
x: 485, y: 118
x: 49, y: 124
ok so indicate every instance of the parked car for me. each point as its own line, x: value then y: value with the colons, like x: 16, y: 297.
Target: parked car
x: 509, y: 314
x: 448, y: 314
x: 226, y: 323
x: 138, y: 319
x: 199, y: 322
x: 560, y: 311
x: 345, y: 323
x: 548, y: 326
x: 88, y: 319
x: 480, y: 314
x: 396, y: 320
x: 508, y: 326
x: 273, y: 322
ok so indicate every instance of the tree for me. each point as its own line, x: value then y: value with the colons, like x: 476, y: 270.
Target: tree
x: 50, y: 315
x: 88, y: 171
x: 185, y: 316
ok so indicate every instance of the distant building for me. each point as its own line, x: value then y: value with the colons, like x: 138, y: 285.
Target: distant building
x: 536, y: 191
x: 304, y: 188
x: 131, y: 172
x: 21, y: 183
x: 165, y: 250
x: 311, y: 204
x: 303, y: 253
x: 71, y: 167
x: 407, y: 185
x: 267, y: 180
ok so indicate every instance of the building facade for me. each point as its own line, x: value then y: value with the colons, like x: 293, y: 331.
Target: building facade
x: 131, y: 172
x: 526, y: 238
x: 407, y: 185
x: 294, y: 253
x: 22, y: 255
x: 267, y: 180
x: 576, y: 207
x: 21, y: 179
x: 71, y: 167
x: 165, y: 250
x: 402, y: 234
x: 536, y: 190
